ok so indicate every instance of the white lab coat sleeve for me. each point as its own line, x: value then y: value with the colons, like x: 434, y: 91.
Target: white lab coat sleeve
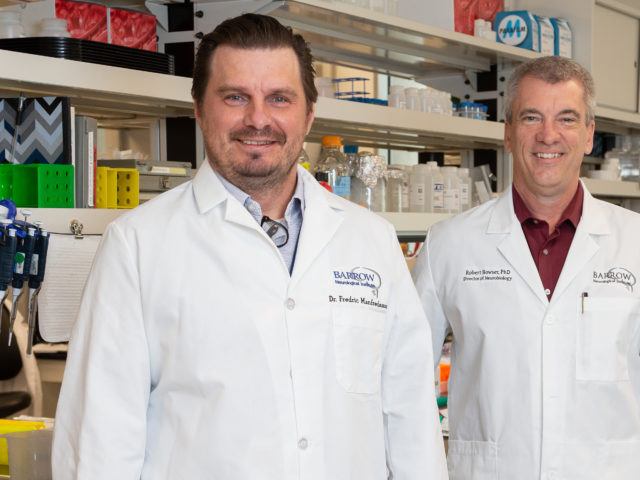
x: 415, y: 448
x: 427, y: 291
x: 100, y: 426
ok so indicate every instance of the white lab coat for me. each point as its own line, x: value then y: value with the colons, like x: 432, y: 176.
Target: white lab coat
x: 196, y: 355
x: 538, y: 389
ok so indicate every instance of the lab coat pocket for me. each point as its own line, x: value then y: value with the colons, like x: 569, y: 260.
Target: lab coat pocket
x: 604, y: 331
x: 357, y: 338
x: 472, y: 460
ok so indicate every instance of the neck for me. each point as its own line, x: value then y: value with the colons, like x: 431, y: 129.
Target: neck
x: 273, y: 201
x: 548, y: 208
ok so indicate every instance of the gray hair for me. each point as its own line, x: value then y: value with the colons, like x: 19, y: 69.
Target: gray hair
x: 551, y: 70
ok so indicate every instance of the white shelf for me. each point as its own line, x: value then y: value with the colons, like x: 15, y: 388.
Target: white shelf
x: 96, y: 88
x: 386, y: 127
x: 612, y: 189
x: 413, y: 224
x: 610, y: 119
x: 347, y: 35
x: 57, y: 220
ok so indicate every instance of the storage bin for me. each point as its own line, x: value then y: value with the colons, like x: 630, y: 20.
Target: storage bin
x: 117, y: 187
x: 11, y: 426
x: 38, y: 185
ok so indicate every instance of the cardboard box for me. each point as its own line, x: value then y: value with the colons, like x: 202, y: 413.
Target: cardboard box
x: 518, y: 28
x: 563, y: 37
x: 546, y: 35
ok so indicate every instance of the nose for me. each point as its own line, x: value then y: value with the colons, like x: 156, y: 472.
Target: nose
x: 547, y: 133
x: 257, y: 115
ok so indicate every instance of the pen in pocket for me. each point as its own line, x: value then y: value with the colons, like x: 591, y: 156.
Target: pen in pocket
x: 584, y: 295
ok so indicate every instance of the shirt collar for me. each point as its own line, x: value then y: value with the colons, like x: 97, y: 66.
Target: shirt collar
x: 572, y: 212
x: 297, y: 200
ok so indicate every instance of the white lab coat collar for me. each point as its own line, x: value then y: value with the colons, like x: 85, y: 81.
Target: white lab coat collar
x: 322, y: 215
x: 503, y: 218
x: 514, y: 246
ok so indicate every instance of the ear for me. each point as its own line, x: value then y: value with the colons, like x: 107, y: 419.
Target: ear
x: 310, y: 117
x: 590, y: 130
x: 507, y: 136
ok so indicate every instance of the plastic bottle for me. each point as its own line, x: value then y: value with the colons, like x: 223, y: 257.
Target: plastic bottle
x: 630, y: 160
x: 397, y: 189
x: 437, y: 188
x: 418, y: 188
x: 412, y: 99
x: 303, y: 160
x: 451, y: 190
x: 465, y: 189
x: 396, y: 96
x: 332, y: 166
x: 351, y: 155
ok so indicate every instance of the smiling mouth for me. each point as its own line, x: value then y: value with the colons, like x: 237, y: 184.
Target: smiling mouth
x: 257, y: 143
x: 547, y: 156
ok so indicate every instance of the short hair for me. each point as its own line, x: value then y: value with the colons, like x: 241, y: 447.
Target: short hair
x: 551, y: 70
x: 252, y: 31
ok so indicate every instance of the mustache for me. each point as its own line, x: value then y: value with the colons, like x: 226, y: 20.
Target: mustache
x: 266, y: 133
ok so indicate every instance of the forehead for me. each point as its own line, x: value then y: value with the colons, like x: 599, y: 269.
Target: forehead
x: 278, y: 66
x: 535, y: 93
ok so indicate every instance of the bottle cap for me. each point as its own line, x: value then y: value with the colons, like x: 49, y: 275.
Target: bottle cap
x: 331, y: 141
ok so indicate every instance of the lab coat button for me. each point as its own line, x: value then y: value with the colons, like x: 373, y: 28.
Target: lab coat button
x: 549, y: 319
x: 303, y: 444
x: 291, y: 303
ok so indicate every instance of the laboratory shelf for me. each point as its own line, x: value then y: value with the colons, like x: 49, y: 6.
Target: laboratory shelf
x: 411, y: 224
x: 612, y: 189
x: 356, y: 37
x: 386, y: 127
x: 615, y: 121
x: 96, y: 89
x: 57, y: 220
x: 95, y: 220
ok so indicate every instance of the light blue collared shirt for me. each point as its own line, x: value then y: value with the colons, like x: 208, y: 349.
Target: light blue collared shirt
x: 293, y: 216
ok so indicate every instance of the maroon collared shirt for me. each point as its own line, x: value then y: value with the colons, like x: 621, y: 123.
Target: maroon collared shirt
x: 549, y: 250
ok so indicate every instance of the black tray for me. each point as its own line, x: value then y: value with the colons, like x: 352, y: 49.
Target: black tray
x: 92, y: 52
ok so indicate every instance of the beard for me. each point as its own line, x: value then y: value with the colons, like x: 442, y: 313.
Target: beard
x: 256, y: 172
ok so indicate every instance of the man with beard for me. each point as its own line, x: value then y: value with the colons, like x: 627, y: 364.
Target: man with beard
x: 249, y: 324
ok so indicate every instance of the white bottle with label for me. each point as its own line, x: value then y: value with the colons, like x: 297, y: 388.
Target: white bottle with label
x: 465, y: 189
x: 451, y: 190
x: 436, y: 191
x: 418, y: 188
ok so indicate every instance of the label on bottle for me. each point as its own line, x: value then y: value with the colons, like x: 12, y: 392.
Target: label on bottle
x: 405, y: 197
x: 417, y: 194
x: 342, y: 187
x: 451, y: 200
x: 464, y: 194
x: 438, y: 197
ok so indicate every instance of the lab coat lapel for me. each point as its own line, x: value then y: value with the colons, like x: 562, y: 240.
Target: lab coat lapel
x: 583, y: 247
x: 320, y: 222
x: 514, y: 245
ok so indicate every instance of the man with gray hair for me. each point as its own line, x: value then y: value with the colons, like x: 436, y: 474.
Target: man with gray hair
x: 538, y: 288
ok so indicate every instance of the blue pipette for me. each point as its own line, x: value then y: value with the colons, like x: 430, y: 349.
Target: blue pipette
x: 24, y: 254
x: 38, y: 264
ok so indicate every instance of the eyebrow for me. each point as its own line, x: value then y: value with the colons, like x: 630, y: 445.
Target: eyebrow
x: 223, y: 89
x: 533, y: 111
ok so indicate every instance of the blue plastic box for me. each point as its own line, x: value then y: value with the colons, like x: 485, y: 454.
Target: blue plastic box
x: 518, y: 28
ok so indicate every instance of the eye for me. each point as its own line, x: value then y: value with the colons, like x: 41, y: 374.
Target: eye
x: 568, y: 120
x: 279, y: 100
x: 530, y: 119
x: 235, y: 99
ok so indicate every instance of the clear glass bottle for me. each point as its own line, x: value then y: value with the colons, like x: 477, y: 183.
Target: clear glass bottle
x: 332, y: 166
x: 418, y: 188
x: 369, y: 188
